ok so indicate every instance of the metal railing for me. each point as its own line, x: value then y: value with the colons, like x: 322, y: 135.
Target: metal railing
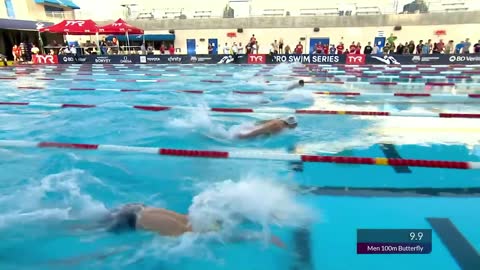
x: 60, y: 15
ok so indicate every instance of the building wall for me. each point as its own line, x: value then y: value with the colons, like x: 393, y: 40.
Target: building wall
x: 347, y: 35
x: 28, y: 10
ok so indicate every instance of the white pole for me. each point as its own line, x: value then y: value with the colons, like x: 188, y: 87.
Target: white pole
x: 98, y: 45
x: 128, y: 42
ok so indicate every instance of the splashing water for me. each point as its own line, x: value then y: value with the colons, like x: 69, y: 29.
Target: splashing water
x: 258, y: 201
x: 55, y: 197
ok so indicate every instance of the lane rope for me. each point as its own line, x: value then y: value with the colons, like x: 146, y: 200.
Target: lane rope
x: 246, y: 155
x: 157, y: 108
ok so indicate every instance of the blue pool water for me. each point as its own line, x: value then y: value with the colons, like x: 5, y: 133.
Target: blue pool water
x: 316, y: 212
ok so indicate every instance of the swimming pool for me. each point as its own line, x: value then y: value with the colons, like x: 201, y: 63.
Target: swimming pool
x: 41, y: 189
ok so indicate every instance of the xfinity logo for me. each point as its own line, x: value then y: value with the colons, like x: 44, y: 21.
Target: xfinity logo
x: 102, y: 60
x: 306, y: 58
x: 72, y: 23
x: 125, y: 60
x: 175, y: 59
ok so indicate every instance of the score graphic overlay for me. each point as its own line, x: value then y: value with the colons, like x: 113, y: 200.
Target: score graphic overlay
x: 403, y: 241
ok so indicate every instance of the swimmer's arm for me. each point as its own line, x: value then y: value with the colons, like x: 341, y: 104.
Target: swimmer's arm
x: 258, y: 131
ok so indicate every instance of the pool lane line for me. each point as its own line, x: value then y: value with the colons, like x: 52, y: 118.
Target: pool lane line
x: 247, y: 92
x: 241, y: 154
x: 390, y: 151
x: 303, y: 251
x: 459, y: 247
x: 421, y: 192
x: 157, y: 108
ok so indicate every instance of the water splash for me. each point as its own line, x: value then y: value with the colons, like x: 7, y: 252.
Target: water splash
x: 258, y: 201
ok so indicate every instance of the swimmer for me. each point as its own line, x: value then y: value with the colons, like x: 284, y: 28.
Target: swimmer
x: 300, y: 83
x: 137, y: 217
x: 270, y: 127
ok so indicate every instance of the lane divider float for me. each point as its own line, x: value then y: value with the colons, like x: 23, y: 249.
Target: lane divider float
x: 246, y: 155
x: 247, y: 110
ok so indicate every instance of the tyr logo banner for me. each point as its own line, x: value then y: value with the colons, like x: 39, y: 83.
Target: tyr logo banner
x: 256, y: 59
x: 72, y: 23
x: 45, y: 59
x: 355, y: 59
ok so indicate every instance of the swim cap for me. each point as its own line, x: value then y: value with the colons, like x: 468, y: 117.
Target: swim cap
x: 291, y: 120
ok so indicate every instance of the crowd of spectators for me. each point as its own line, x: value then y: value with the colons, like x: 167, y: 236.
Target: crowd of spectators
x: 391, y: 47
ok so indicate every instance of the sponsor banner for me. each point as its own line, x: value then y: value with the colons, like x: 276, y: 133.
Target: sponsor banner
x: 257, y: 59
x: 306, y: 58
x: 427, y: 59
x: 99, y: 59
x: 45, y: 59
x: 355, y: 59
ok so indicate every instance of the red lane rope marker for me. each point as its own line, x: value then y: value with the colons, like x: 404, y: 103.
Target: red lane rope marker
x: 398, y: 94
x: 246, y: 155
x: 384, y: 83
x: 78, y: 106
x: 152, y: 108
x: 82, y: 89
x: 192, y: 91
x: 412, y: 95
x: 440, y: 83
x: 474, y: 95
x: 238, y: 110
x: 261, y: 110
x: 338, y: 93
x: 8, y: 78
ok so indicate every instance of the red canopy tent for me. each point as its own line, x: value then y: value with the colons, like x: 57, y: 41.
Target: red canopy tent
x: 73, y: 27
x: 120, y: 27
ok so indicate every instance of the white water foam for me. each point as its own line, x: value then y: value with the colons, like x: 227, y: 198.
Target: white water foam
x: 35, y: 203
x: 259, y: 201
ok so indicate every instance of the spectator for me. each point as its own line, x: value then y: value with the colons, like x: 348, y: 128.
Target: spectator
x: 16, y: 53
x: 272, y: 49
x: 376, y: 49
x: 234, y: 49
x: 253, y: 40
x: 476, y: 47
x: 52, y: 52
x: 358, y: 48
x: 257, y: 47
x: 162, y: 48
x: 411, y: 47
x: 332, y: 49
x: 368, y: 49
x: 459, y: 47
x: 171, y: 49
x: 210, y: 48
x: 280, y: 46
x: 400, y: 48
x: 386, y: 49
x: 318, y: 48
x: 325, y: 49
x: 353, y: 48
x: 435, y: 50
x: 346, y: 52
x: 449, y: 47
x: 440, y: 46
x: 430, y: 46
x: 226, y: 49
x: 35, y: 49
x: 74, y: 52
x: 391, y: 39
x: 340, y: 48
x: 3, y: 58
x: 240, y: 48
x: 466, y: 46
x: 275, y: 46
x: 287, y: 49
x: 299, y: 48
x: 392, y: 48
x: 248, y: 48
x: 143, y: 49
x: 254, y: 48
x: 426, y: 48
x: 420, y: 47
x: 406, y: 49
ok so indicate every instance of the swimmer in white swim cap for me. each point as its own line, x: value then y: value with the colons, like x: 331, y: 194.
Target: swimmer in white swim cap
x: 270, y: 127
